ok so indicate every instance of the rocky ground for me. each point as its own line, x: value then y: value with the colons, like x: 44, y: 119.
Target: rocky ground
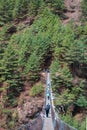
x: 73, y: 11
x: 29, y: 106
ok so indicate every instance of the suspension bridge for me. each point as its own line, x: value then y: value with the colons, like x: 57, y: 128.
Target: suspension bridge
x: 52, y: 122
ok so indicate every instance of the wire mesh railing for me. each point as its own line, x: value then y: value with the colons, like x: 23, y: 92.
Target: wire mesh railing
x: 38, y: 123
x: 57, y: 122
x: 35, y: 125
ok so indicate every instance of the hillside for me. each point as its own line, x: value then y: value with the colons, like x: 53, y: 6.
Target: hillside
x: 35, y: 36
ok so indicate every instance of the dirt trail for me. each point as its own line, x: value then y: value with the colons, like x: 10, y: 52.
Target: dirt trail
x: 73, y: 11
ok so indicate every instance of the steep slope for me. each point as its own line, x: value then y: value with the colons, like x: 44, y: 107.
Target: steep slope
x: 37, y: 41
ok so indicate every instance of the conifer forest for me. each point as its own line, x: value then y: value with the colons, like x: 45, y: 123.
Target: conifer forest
x: 36, y: 35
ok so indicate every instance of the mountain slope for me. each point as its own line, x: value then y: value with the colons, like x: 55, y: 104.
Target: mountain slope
x: 33, y: 38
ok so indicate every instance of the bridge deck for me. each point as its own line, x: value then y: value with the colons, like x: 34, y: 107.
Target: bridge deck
x: 48, y: 124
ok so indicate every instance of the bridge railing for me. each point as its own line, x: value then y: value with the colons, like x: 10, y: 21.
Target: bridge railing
x: 35, y: 125
x: 57, y: 122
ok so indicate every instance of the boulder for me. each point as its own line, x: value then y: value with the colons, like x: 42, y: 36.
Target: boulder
x: 29, y: 21
x: 28, y: 109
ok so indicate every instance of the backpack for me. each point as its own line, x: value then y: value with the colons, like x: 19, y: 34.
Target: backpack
x: 47, y: 107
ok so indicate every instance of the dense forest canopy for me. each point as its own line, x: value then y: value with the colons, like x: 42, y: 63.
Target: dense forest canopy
x: 33, y: 38
x: 19, y: 9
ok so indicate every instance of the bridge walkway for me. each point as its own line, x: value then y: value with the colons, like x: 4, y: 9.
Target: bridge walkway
x: 48, y: 124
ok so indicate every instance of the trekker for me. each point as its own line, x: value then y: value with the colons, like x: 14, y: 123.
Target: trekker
x: 48, y: 96
x: 47, y: 108
x: 48, y: 84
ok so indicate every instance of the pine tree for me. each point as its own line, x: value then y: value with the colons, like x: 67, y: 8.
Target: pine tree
x: 84, y: 8
x: 6, y: 7
x: 10, y: 73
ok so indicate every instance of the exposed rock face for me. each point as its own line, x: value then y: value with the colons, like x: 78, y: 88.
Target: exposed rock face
x: 37, y: 124
x: 28, y: 109
x: 73, y: 11
x: 29, y: 21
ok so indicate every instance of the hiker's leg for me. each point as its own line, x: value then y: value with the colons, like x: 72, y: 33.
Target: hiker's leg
x: 46, y: 114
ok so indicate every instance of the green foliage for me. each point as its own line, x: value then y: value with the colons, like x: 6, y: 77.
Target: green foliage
x: 55, y: 66
x: 84, y: 8
x: 3, y: 35
x: 36, y: 90
x: 74, y: 122
x: 11, y: 118
x: 9, y: 71
x: 79, y: 88
x: 28, y: 50
x: 6, y: 7
x: 2, y: 50
x: 82, y: 102
x: 32, y: 68
x: 56, y: 4
x: 65, y: 98
x: 35, y: 6
x: 66, y: 74
x: 26, y: 53
x: 76, y: 53
x: 33, y: 63
x: 13, y: 101
x: 1, y: 110
x: 65, y: 40
x: 71, y: 51
x: 62, y: 77
x: 7, y: 111
x: 20, y: 8
x: 33, y: 46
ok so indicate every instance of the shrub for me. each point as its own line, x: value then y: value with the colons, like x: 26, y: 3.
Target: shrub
x: 74, y: 122
x: 82, y: 102
x: 84, y: 8
x: 36, y: 90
